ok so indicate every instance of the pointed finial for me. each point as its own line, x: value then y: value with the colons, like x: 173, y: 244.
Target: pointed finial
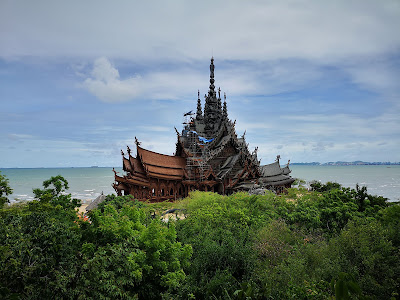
x: 199, y: 112
x: 225, y: 108
x: 278, y: 157
x: 212, y: 76
x: 122, y: 153
x: 137, y: 142
x: 219, y: 101
x: 128, y: 150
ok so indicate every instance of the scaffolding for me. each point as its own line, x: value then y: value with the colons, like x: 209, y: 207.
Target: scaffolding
x: 197, y: 164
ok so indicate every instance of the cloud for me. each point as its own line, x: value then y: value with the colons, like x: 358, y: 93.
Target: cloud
x: 311, y: 80
x: 157, y: 30
x: 19, y: 137
x: 322, y: 146
x: 376, y: 74
x: 106, y: 84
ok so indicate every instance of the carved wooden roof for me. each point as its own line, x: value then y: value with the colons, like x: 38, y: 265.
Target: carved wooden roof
x: 273, y: 174
x: 160, y: 165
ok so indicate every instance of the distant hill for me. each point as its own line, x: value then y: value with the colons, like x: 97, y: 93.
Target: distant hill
x: 347, y: 163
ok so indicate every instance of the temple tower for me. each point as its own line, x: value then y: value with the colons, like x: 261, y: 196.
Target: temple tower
x: 212, y: 111
x: 199, y: 113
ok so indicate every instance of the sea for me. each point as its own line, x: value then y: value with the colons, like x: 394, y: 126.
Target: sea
x: 88, y: 183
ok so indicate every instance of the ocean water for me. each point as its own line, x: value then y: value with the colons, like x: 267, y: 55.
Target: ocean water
x: 88, y: 183
x: 379, y: 180
x: 84, y: 183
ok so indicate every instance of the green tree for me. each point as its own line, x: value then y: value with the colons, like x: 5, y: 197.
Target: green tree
x: 390, y: 218
x: 125, y: 256
x: 39, y: 250
x: 54, y: 192
x: 364, y: 250
x: 5, y: 190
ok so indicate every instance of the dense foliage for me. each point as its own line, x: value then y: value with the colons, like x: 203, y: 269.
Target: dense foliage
x: 296, y: 246
x: 328, y: 243
x: 5, y: 190
x: 47, y: 252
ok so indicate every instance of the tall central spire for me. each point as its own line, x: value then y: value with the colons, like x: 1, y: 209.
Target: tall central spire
x: 212, y: 87
x: 212, y: 112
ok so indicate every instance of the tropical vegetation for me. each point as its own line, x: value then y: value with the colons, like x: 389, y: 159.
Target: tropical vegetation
x: 330, y: 242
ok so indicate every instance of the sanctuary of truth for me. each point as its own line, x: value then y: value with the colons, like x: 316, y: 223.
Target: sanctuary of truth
x: 209, y: 156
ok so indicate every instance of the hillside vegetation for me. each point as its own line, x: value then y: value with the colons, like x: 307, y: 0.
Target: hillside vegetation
x: 328, y: 243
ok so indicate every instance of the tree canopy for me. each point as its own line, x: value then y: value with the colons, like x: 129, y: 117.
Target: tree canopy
x: 329, y: 243
x: 5, y: 190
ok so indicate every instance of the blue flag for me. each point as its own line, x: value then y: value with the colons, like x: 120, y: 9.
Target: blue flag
x: 204, y: 140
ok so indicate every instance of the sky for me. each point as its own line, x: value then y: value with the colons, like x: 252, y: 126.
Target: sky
x: 308, y: 80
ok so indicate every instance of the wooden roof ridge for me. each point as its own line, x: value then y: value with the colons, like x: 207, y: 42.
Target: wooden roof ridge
x: 132, y: 179
x: 96, y: 202
x: 143, y: 149
x: 149, y: 157
x: 168, y: 175
x: 272, y: 169
x: 164, y: 167
x: 136, y: 165
x: 126, y: 165
x: 276, y: 180
x: 286, y: 170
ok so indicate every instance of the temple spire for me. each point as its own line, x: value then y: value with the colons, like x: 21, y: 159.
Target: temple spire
x: 212, y: 109
x: 225, y: 109
x: 219, y: 101
x: 199, y: 113
x: 212, y: 87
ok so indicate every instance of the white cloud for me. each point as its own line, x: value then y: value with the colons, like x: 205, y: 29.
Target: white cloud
x: 107, y: 86
x: 150, y: 51
x: 159, y: 30
x: 375, y: 75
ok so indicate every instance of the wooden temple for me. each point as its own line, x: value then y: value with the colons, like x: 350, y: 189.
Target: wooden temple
x: 209, y: 156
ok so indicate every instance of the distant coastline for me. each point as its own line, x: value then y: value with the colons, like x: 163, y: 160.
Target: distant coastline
x: 347, y: 163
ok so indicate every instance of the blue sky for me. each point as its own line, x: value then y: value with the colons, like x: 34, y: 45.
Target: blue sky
x: 309, y: 80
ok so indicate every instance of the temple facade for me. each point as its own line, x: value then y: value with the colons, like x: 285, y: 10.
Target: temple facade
x: 209, y: 156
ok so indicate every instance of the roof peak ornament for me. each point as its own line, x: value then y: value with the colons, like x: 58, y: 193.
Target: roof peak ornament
x: 199, y: 112
x: 212, y: 68
x: 137, y: 142
x: 225, y: 108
